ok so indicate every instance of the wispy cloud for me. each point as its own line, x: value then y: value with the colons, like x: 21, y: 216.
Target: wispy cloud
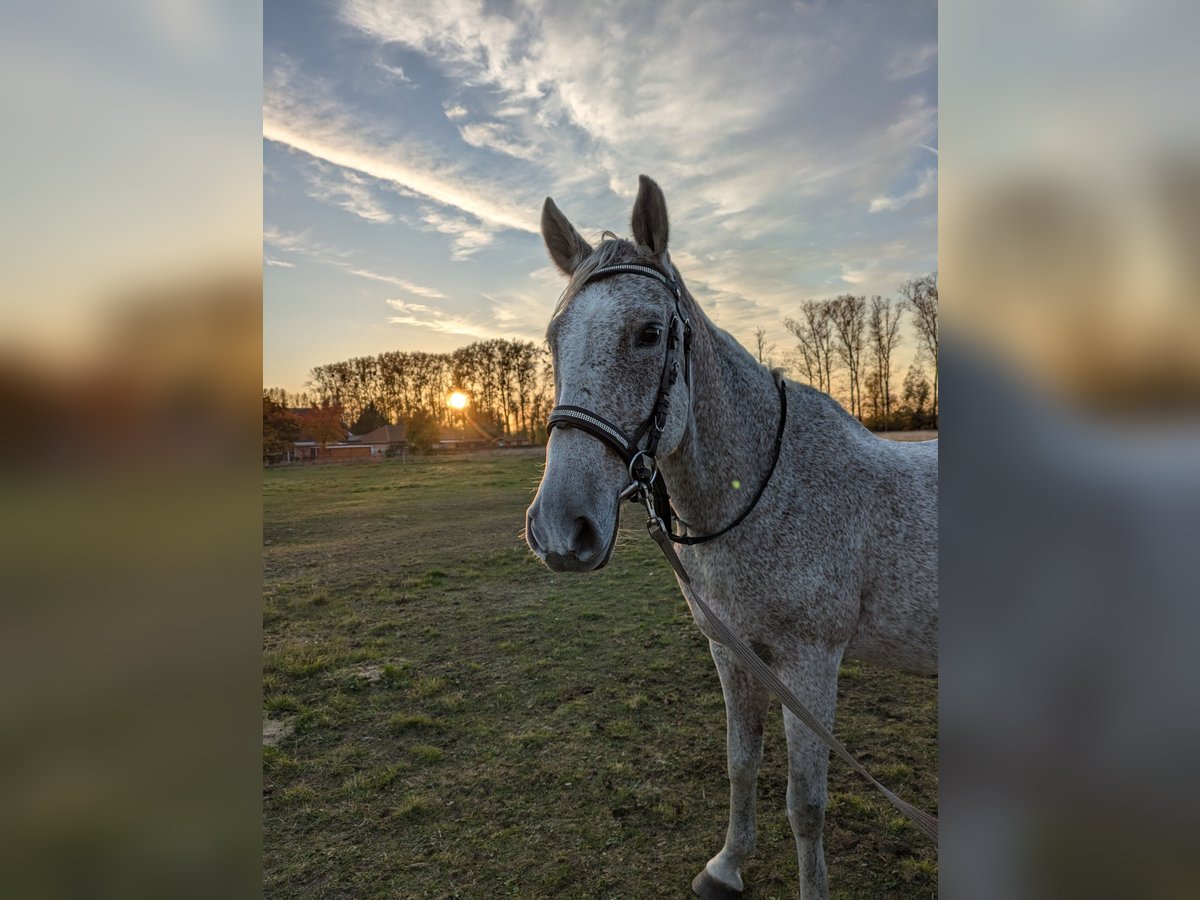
x: 912, y: 61
x: 300, y: 114
x: 494, y: 136
x: 772, y: 138
x: 422, y: 316
x: 288, y: 241
x: 411, y: 287
x: 466, y: 237
x: 302, y: 245
x: 395, y: 73
x: 282, y: 263
x: 348, y: 191
x: 925, y: 186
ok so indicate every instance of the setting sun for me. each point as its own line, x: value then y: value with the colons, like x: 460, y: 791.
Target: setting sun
x: 457, y: 400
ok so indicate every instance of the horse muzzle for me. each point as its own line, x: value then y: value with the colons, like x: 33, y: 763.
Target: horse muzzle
x: 575, y: 546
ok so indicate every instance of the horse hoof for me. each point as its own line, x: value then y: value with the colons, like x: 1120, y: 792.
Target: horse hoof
x: 704, y: 885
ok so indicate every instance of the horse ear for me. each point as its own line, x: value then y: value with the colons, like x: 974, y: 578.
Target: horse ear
x: 650, y: 216
x: 566, y: 245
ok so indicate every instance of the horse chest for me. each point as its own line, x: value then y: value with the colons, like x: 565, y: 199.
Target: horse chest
x: 766, y: 609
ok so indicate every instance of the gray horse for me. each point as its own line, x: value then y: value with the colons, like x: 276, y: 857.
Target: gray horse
x: 839, y: 557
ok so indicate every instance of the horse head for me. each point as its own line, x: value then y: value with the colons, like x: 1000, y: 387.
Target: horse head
x: 618, y: 340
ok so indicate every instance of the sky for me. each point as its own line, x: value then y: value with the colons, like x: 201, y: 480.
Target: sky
x: 408, y: 147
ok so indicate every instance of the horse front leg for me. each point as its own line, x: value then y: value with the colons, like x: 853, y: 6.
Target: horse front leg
x: 745, y: 714
x: 813, y: 679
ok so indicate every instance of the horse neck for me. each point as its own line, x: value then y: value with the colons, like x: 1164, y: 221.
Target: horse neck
x: 730, y: 433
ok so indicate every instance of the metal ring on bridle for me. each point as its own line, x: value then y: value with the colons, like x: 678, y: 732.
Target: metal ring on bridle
x: 652, y: 467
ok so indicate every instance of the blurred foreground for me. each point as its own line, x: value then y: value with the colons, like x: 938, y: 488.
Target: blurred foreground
x: 1070, y: 235
x: 129, y: 379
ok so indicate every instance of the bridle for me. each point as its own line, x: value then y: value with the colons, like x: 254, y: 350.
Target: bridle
x: 646, y: 484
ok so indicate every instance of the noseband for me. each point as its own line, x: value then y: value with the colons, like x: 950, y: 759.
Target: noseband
x: 646, y: 484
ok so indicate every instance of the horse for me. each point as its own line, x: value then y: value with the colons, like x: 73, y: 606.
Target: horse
x: 837, y: 558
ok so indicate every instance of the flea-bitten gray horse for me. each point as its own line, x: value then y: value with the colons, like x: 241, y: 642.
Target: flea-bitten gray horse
x: 839, y: 557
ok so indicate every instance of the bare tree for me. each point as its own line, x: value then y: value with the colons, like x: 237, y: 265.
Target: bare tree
x: 848, y: 314
x: 814, y: 341
x: 883, y: 333
x: 921, y: 296
x: 763, y: 350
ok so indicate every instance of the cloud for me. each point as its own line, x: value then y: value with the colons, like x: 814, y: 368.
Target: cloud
x: 348, y: 191
x: 598, y: 94
x: 304, y: 116
x: 301, y: 244
x: 422, y: 316
x: 912, y: 61
x: 494, y: 136
x: 272, y: 261
x: 773, y: 161
x: 926, y: 185
x: 419, y: 289
x: 286, y: 240
x: 395, y: 73
x: 466, y: 237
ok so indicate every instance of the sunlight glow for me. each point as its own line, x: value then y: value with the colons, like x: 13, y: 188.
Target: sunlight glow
x: 457, y: 400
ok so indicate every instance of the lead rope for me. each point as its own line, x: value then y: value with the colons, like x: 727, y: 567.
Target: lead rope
x: 925, y: 823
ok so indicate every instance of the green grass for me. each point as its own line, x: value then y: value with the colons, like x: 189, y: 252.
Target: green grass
x: 469, y: 724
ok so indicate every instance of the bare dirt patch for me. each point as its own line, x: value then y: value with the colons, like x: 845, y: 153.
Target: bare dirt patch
x: 275, y: 730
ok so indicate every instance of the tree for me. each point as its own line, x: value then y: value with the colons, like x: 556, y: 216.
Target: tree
x: 421, y: 429
x: 324, y: 424
x: 883, y: 334
x: 763, y: 350
x: 921, y: 296
x: 509, y: 383
x: 847, y: 313
x: 280, y: 427
x: 916, y: 396
x: 370, y: 419
x: 814, y: 339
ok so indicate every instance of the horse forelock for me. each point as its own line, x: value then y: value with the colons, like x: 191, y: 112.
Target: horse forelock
x: 611, y: 250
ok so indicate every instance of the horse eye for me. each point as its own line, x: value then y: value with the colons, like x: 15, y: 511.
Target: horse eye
x: 650, y: 335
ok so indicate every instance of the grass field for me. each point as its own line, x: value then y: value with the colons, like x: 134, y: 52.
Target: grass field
x: 444, y: 717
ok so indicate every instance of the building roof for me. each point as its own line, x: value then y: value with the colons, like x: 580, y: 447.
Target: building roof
x: 384, y: 434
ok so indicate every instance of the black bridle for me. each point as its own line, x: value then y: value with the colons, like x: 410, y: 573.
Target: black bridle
x: 646, y: 484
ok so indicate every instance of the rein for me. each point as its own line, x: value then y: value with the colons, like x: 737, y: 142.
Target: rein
x: 648, y: 487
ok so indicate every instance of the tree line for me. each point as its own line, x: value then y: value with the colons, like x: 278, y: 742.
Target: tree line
x: 845, y: 346
x: 508, y: 386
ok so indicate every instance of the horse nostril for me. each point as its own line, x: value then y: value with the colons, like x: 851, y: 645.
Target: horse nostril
x: 531, y: 536
x: 585, y: 541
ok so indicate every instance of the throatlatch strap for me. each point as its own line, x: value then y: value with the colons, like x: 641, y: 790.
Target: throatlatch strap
x: 701, y: 538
